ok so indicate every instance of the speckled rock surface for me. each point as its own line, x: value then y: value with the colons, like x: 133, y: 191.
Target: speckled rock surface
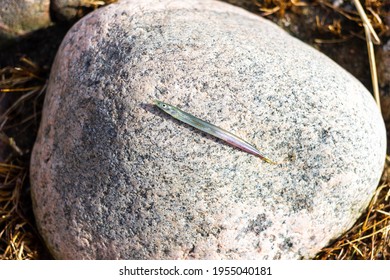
x: 114, y: 177
x: 20, y: 17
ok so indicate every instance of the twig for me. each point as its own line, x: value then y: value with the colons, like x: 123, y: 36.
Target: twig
x: 371, y: 37
x: 371, y: 58
x: 367, y: 22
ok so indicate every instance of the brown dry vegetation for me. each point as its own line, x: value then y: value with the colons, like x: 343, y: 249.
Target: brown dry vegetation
x: 330, y: 28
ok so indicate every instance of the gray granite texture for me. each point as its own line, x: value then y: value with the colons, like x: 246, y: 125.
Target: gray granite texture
x: 114, y: 177
x: 19, y: 17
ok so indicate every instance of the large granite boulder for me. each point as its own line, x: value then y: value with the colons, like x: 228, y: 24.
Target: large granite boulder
x: 114, y: 177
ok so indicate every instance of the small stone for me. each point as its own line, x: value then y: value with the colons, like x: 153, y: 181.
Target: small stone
x: 18, y: 18
x: 114, y: 177
x: 69, y: 9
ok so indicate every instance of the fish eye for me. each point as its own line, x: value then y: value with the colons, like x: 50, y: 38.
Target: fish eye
x: 164, y: 105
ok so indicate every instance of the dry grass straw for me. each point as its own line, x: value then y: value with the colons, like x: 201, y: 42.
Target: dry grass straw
x: 97, y: 3
x: 371, y: 39
x: 20, y: 86
x: 377, y: 9
x: 17, y: 240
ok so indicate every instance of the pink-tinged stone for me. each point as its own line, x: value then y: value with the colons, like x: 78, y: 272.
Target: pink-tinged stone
x: 71, y: 9
x: 114, y: 177
x: 20, y: 17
